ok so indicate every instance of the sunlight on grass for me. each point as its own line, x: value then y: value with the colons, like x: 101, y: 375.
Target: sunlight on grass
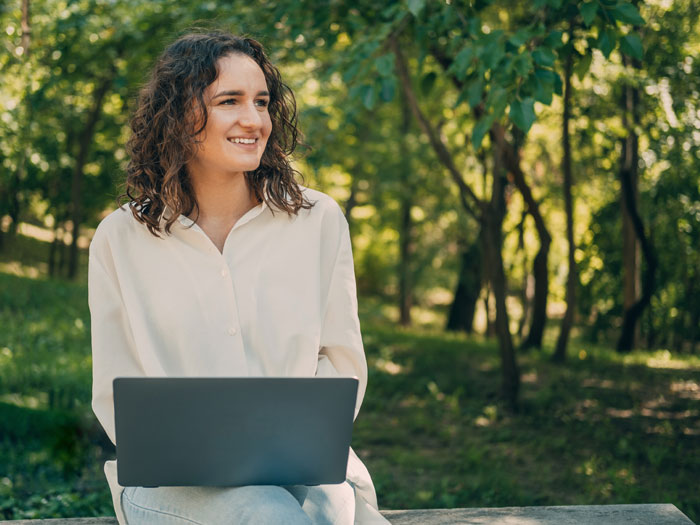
x: 663, y: 359
x: 686, y: 389
x: 24, y: 270
x: 388, y: 366
x: 39, y: 400
x: 27, y: 253
x: 659, y: 359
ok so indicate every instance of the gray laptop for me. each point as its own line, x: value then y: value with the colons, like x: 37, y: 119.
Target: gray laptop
x: 233, y: 431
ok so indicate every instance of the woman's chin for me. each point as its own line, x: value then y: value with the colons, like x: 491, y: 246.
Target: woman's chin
x: 244, y: 166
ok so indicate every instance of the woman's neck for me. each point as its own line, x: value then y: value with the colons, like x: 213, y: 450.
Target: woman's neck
x: 222, y: 199
x: 221, y: 202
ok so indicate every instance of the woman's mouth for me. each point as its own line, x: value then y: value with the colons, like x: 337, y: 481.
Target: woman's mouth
x: 245, y: 143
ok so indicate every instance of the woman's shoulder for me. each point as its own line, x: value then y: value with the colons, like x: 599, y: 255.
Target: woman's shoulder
x: 326, y: 217
x: 323, y: 203
x: 117, y: 224
x: 116, y: 220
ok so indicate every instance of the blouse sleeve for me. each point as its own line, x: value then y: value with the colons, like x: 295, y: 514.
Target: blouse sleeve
x: 341, y: 350
x: 113, y: 349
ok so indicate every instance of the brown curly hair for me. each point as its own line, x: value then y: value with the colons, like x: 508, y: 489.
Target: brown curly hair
x: 162, y: 140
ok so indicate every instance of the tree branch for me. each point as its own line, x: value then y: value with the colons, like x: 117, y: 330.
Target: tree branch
x: 469, y: 200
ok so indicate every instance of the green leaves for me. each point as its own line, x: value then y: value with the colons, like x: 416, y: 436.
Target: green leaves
x: 366, y: 93
x: 474, y: 92
x: 627, y: 13
x: 388, y: 89
x: 547, y: 82
x: 606, y: 41
x: 369, y: 96
x: 385, y: 64
x: 497, y: 100
x: 522, y: 64
x: 462, y: 61
x: 623, y: 12
x: 582, y: 64
x: 481, y: 128
x: 520, y: 37
x: 588, y: 11
x: 522, y: 113
x: 631, y: 45
x: 492, y: 51
x: 544, y: 56
x: 427, y: 82
x: 416, y: 6
x: 553, y: 39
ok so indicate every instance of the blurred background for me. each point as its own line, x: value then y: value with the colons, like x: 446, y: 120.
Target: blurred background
x: 522, y: 185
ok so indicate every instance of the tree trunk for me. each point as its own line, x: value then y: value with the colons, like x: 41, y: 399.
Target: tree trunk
x: 630, y: 246
x: 62, y: 268
x: 490, y: 330
x: 628, y: 176
x: 512, y: 160
x: 490, y: 216
x: 15, y: 204
x: 630, y: 256
x: 77, y: 180
x: 19, y: 174
x: 463, y: 307
x: 54, y: 250
x: 511, y: 155
x: 524, y: 296
x: 350, y: 203
x: 567, y: 322
x: 493, y: 240
x: 405, y: 277
x: 406, y: 223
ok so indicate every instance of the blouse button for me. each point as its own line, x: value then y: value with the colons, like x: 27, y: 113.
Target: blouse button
x: 231, y: 331
x: 223, y: 272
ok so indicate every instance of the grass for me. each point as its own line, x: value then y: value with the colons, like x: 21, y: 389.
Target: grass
x: 597, y: 430
x: 603, y: 428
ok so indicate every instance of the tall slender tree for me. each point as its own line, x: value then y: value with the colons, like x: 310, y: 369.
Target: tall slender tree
x: 571, y: 280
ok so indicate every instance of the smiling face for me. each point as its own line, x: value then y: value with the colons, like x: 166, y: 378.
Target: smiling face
x: 238, y: 124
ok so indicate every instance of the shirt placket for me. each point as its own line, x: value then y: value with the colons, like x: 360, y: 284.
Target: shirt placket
x: 229, y: 327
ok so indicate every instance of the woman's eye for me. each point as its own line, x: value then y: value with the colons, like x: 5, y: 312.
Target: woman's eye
x: 231, y: 101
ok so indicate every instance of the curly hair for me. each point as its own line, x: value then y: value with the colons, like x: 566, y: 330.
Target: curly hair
x: 169, y: 107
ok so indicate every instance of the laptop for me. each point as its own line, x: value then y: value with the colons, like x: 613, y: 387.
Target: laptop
x: 225, y: 431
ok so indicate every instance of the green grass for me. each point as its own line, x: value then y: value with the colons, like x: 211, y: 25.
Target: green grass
x: 603, y: 428
x: 594, y: 431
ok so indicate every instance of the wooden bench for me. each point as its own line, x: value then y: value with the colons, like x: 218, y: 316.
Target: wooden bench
x: 648, y: 514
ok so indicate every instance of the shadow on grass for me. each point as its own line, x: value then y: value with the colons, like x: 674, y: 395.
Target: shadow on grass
x: 593, y: 431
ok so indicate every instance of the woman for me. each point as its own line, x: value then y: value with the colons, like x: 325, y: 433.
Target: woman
x: 222, y: 265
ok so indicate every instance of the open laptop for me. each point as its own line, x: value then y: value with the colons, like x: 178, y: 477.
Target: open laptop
x: 233, y: 431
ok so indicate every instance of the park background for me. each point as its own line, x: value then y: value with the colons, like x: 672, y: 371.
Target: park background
x: 521, y: 181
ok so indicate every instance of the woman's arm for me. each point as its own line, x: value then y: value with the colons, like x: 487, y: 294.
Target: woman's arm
x: 113, y: 348
x: 342, y: 352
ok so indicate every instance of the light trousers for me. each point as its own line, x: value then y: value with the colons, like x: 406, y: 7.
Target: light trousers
x: 259, y: 505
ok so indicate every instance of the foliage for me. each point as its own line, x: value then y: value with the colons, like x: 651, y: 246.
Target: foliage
x: 669, y: 140
x: 504, y: 57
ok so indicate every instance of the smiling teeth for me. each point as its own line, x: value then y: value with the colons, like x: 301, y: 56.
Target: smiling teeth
x: 242, y: 141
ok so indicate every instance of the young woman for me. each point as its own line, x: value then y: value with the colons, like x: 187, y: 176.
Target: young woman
x: 222, y: 265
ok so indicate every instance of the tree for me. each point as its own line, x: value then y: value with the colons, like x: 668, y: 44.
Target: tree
x: 562, y: 340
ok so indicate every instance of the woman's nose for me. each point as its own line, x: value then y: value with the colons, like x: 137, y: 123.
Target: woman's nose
x: 249, y: 116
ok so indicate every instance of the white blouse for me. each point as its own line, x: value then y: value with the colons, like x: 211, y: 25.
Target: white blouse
x: 279, y: 301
